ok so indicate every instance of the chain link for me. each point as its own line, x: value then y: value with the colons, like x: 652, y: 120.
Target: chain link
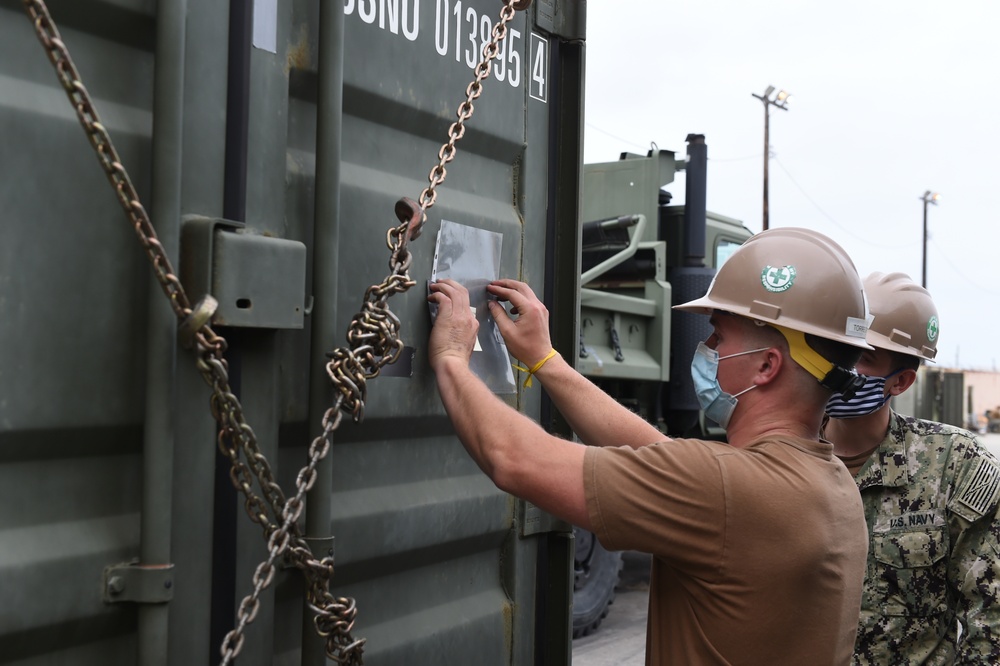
x: 373, y: 339
x: 106, y: 153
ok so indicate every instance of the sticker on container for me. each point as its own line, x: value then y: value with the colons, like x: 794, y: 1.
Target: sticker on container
x: 265, y: 25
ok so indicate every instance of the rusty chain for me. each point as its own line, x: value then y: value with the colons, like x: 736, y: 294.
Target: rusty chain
x: 373, y: 338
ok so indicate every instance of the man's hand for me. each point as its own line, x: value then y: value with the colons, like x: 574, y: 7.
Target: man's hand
x: 455, y: 328
x: 527, y: 337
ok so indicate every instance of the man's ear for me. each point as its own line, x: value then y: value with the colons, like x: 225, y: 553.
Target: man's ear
x: 902, y: 381
x: 769, y: 366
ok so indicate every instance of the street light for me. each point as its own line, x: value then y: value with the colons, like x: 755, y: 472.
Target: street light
x: 779, y: 100
x: 928, y: 198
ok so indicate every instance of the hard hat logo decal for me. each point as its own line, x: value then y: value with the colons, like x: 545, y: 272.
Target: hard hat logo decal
x: 932, y: 329
x: 777, y: 278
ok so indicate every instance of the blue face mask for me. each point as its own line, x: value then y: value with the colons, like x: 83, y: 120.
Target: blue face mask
x: 869, y: 399
x: 716, y: 403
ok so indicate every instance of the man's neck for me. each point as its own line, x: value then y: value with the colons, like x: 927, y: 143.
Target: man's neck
x: 853, y: 437
x: 773, y: 424
x: 774, y: 412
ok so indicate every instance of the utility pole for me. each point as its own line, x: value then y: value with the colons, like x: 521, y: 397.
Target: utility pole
x: 779, y: 100
x: 928, y: 198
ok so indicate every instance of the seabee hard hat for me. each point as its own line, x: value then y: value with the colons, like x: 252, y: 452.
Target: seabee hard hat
x: 795, y: 278
x: 904, y: 318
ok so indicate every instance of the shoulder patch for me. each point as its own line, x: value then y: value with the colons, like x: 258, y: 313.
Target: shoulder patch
x: 979, y: 493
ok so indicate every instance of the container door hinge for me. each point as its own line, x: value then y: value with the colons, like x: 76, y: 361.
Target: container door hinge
x: 138, y: 583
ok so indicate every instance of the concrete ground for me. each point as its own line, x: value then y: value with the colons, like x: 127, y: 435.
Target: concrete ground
x: 621, y: 639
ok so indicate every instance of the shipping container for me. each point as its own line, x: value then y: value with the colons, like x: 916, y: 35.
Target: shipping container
x: 269, y: 141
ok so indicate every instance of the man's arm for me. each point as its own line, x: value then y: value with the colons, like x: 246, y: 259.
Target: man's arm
x: 596, y: 418
x: 973, y: 572
x: 515, y: 452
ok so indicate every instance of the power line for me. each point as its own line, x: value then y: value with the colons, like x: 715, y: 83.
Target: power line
x: 961, y: 274
x: 646, y: 147
x: 617, y: 138
x: 893, y: 246
x: 736, y: 159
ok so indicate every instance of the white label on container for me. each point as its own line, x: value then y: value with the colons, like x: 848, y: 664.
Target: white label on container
x: 265, y: 25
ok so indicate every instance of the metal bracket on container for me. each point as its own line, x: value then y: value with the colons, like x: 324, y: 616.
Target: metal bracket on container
x: 258, y: 280
x: 565, y: 18
x: 138, y: 583
x: 320, y: 547
x: 532, y: 520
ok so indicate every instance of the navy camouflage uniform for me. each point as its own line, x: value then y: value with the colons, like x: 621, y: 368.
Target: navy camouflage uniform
x: 931, y: 494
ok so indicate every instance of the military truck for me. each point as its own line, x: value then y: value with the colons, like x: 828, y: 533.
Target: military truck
x: 640, y: 256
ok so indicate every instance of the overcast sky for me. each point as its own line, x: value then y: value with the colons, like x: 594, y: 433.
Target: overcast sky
x: 890, y: 98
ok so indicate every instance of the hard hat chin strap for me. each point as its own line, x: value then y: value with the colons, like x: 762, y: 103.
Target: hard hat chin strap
x: 843, y: 381
x: 833, y: 377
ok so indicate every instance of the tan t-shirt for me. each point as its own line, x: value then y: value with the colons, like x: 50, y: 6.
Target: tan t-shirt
x: 758, y: 553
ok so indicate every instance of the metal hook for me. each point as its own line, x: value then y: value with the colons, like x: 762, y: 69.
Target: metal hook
x: 200, y: 315
x: 410, y: 214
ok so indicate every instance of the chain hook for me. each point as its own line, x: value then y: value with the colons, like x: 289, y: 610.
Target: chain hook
x: 200, y: 315
x: 410, y: 215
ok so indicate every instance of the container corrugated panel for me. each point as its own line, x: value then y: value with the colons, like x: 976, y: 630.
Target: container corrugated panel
x: 72, y: 327
x: 108, y: 450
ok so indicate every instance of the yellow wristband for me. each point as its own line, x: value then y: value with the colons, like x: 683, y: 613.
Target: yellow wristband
x: 535, y: 368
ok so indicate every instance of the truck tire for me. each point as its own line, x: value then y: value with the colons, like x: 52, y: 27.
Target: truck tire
x: 595, y: 577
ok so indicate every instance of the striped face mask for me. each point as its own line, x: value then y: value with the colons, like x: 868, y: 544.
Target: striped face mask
x: 868, y: 399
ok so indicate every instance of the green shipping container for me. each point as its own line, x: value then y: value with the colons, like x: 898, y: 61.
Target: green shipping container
x: 269, y: 141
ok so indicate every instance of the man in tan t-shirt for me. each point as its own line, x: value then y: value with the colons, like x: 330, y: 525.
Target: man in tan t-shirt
x: 759, y: 545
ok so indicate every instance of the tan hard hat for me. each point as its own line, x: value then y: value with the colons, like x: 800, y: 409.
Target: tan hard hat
x: 796, y: 278
x: 905, y: 319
